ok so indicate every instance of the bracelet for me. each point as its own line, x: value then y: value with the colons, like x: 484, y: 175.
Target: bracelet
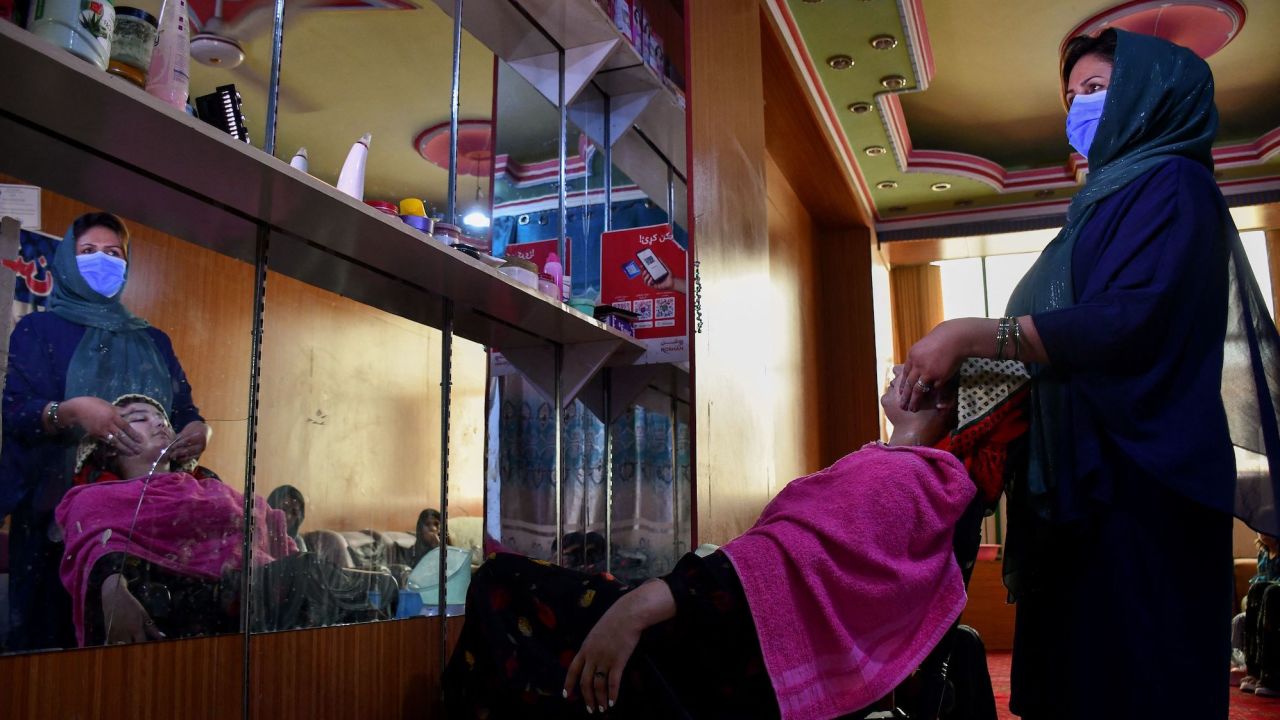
x: 1002, y: 337
x: 52, y: 414
x: 1017, y: 337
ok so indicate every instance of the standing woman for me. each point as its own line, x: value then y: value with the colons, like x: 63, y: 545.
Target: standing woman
x: 65, y: 367
x: 1152, y: 354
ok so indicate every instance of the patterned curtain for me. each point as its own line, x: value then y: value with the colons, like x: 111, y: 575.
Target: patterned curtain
x: 650, y: 480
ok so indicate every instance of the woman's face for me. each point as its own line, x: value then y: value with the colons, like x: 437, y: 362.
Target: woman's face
x: 151, y: 425
x: 100, y: 239
x: 1091, y: 74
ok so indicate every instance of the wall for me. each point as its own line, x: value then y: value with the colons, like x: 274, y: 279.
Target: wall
x: 734, y: 413
x: 917, y: 304
x: 786, y: 366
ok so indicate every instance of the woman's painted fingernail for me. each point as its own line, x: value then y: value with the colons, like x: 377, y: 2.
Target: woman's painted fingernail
x: 564, y: 694
x: 611, y: 702
x: 589, y: 710
x: 600, y: 708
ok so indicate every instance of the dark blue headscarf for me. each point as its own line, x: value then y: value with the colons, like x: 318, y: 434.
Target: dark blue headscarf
x: 1159, y: 106
x: 116, y: 356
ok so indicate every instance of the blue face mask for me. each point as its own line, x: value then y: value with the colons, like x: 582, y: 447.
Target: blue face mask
x: 1082, y: 120
x: 105, y: 274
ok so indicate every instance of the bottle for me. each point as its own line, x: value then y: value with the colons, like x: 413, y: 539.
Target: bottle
x: 351, y: 179
x: 300, y: 160
x: 555, y: 272
x: 84, y: 27
x: 169, y: 77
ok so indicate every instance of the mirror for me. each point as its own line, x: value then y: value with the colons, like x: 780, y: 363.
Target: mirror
x: 118, y: 535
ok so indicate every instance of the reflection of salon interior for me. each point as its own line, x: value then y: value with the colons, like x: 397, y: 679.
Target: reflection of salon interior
x: 659, y: 259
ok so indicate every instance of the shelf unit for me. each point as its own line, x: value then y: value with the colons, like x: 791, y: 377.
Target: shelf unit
x: 596, y: 54
x: 69, y: 127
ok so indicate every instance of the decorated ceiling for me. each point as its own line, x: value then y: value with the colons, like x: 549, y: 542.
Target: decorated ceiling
x: 947, y: 113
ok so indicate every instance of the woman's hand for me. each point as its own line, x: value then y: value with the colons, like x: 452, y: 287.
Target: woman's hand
x: 599, y: 664
x: 936, y: 358
x: 102, y: 420
x: 122, y: 615
x: 191, y: 442
x: 604, y: 654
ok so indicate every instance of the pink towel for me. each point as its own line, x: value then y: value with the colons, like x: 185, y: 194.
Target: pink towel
x: 851, y: 576
x: 186, y: 525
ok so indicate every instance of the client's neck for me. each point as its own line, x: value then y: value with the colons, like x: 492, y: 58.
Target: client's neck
x: 135, y: 467
x: 906, y: 435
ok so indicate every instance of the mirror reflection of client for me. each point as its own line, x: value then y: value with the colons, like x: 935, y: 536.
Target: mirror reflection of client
x: 141, y: 530
x: 839, y: 591
x: 155, y: 550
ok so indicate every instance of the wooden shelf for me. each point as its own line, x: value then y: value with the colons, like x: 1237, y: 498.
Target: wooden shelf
x: 69, y: 127
x: 583, y: 29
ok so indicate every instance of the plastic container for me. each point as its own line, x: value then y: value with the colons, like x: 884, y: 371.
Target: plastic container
x: 548, y: 286
x: 555, y: 271
x: 351, y: 179
x: 419, y: 222
x: 82, y: 27
x: 413, y: 206
x: 132, y: 43
x: 383, y: 206
x: 522, y: 271
x: 425, y: 578
x: 169, y: 74
x: 447, y: 233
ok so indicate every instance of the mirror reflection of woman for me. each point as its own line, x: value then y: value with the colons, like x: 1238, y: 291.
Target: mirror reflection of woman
x: 1152, y: 354
x: 64, y: 367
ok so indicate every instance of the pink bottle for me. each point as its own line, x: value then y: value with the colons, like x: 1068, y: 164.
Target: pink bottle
x: 554, y: 269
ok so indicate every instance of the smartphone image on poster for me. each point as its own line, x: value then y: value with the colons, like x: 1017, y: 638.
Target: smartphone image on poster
x: 657, y: 271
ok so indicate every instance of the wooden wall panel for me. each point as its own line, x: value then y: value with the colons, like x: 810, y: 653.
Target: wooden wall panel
x: 988, y: 610
x: 849, y: 369
x: 734, y: 410
x: 373, y: 670
x: 793, y: 354
x: 197, y: 679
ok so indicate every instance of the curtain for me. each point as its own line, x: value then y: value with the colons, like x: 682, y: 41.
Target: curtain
x: 916, y: 296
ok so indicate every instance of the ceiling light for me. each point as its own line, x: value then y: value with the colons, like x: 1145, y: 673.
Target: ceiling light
x: 887, y: 184
x: 476, y: 219
x: 840, y: 62
x: 875, y: 151
x: 860, y: 108
x: 940, y: 187
x: 893, y: 82
x: 884, y: 42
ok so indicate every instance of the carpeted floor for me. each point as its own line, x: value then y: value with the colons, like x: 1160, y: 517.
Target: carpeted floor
x: 1243, y: 707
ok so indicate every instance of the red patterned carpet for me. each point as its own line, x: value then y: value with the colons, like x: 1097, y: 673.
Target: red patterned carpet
x: 1243, y: 707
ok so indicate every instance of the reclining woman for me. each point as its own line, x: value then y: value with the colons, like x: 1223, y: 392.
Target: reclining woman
x: 842, y: 587
x: 155, y: 550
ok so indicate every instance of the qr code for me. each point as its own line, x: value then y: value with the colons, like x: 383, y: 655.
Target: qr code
x: 666, y: 308
x: 643, y: 308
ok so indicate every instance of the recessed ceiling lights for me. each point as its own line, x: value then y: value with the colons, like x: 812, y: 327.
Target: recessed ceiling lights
x: 860, y: 108
x: 884, y: 42
x: 893, y: 82
x: 840, y: 62
x: 887, y: 184
x: 940, y: 187
x: 875, y: 151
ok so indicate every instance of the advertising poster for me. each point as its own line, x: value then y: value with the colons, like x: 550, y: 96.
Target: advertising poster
x: 644, y: 270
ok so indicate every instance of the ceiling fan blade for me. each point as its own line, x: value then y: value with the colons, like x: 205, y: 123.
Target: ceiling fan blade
x: 291, y: 102
x: 260, y: 19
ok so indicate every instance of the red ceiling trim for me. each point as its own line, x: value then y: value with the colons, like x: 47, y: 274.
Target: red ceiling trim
x: 523, y: 174
x: 1231, y: 8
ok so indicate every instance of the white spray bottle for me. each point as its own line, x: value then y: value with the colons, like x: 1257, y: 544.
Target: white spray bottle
x: 351, y: 179
x: 300, y: 160
x: 170, y: 75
